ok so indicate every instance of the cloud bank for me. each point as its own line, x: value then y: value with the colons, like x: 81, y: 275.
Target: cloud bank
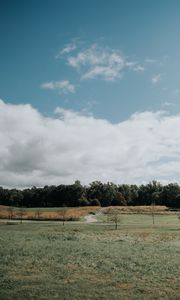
x: 36, y: 150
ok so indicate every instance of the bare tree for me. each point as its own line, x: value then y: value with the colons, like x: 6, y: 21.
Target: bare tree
x: 62, y: 214
x: 153, y: 211
x: 38, y: 214
x: 10, y: 212
x: 21, y: 213
x: 155, y: 197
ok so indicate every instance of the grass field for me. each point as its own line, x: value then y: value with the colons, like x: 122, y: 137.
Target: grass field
x: 91, y: 261
x: 143, y: 219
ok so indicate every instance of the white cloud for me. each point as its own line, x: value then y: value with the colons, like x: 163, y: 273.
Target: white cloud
x: 104, y: 72
x: 64, y: 86
x: 36, y: 150
x: 68, y: 48
x: 135, y: 66
x: 139, y: 68
x: 156, y: 78
x: 97, y: 62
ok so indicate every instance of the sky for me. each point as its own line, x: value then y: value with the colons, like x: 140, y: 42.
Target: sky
x: 89, y: 90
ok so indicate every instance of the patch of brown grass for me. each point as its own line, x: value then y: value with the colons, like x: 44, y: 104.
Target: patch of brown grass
x: 71, y: 213
x: 123, y: 286
x: 82, y: 211
x: 143, y: 209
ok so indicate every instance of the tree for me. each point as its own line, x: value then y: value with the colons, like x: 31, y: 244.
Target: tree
x: 119, y: 199
x: 178, y: 217
x: 145, y: 195
x: 104, y: 192
x: 114, y: 216
x: 153, y: 210
x: 10, y: 212
x: 16, y: 197
x: 169, y: 195
x: 177, y: 201
x: 38, y: 214
x: 155, y: 197
x: 94, y: 202
x: 63, y: 214
x: 82, y: 201
x: 21, y: 213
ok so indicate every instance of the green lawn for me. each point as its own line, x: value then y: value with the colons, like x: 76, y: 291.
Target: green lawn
x: 81, y: 261
x: 143, y: 219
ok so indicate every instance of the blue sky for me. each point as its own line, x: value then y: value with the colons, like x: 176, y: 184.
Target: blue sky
x: 90, y: 90
x: 33, y: 33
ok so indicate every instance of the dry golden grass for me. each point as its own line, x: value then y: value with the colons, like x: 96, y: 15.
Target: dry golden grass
x: 74, y: 213
x: 160, y: 209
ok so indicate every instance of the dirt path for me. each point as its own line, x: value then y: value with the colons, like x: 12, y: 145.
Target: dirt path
x: 90, y: 219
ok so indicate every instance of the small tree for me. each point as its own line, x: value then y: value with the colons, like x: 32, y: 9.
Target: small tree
x: 38, y: 214
x: 114, y: 216
x: 178, y: 217
x: 153, y: 211
x: 21, y: 213
x: 10, y: 212
x: 155, y: 197
x: 62, y: 214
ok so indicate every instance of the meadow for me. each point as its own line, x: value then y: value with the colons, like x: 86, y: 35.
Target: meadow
x: 91, y: 261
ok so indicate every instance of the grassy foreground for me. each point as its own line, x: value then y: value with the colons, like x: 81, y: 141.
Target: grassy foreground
x: 83, y: 261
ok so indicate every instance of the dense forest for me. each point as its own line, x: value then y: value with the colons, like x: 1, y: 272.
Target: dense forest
x: 97, y: 193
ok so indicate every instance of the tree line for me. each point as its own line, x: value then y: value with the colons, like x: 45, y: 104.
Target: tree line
x: 96, y: 193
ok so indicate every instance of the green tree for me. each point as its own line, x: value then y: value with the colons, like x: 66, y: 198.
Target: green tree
x: 170, y: 195
x: 104, y: 192
x: 114, y: 216
x: 119, y: 199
